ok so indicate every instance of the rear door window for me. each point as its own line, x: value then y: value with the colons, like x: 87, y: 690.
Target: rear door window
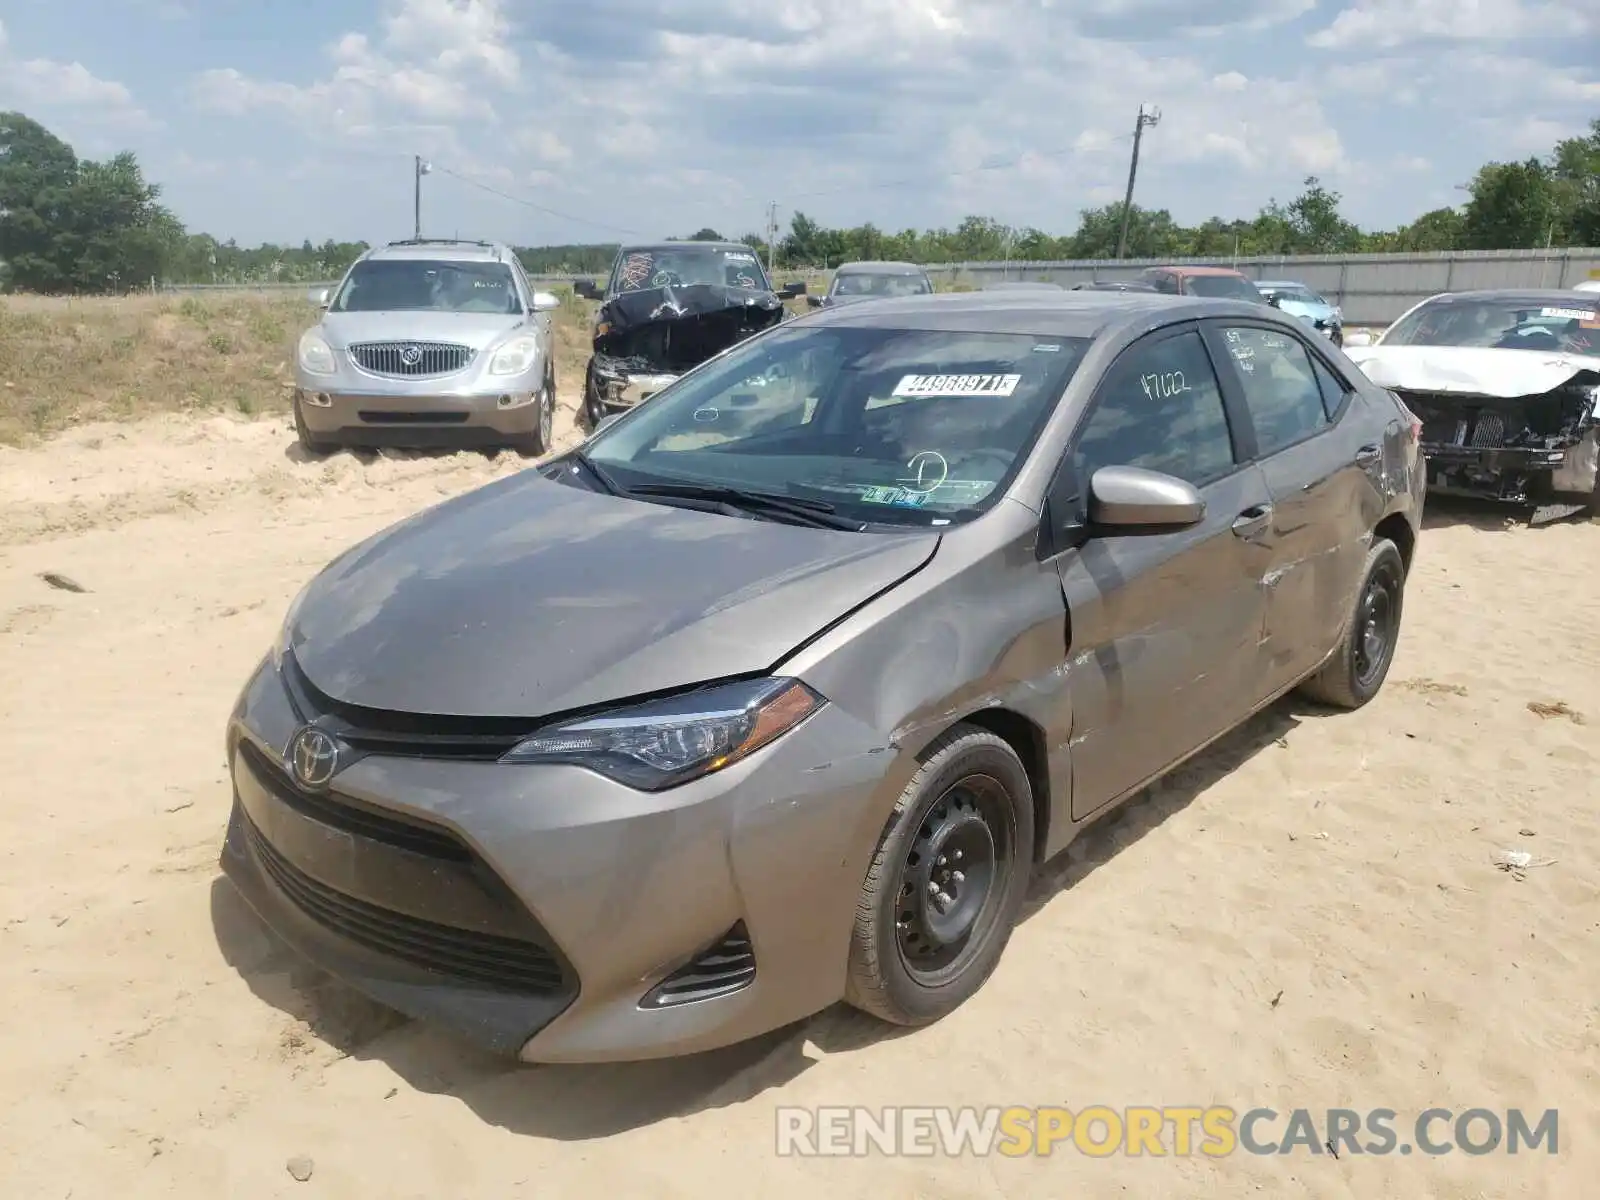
x: 1160, y: 408
x: 1280, y: 385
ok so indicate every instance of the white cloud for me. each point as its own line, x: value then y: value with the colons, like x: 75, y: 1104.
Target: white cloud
x: 915, y: 112
x: 1386, y: 24
x: 46, y: 85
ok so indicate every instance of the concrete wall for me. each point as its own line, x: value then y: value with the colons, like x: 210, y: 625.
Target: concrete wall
x: 1373, y: 289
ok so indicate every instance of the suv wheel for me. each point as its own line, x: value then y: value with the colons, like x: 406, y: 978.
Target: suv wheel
x: 593, y: 407
x: 532, y: 445
x: 947, y: 883
x: 1361, y: 663
x: 309, y: 442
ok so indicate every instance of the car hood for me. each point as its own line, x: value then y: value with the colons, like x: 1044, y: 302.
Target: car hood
x: 528, y: 597
x: 1470, y: 370
x: 478, y: 330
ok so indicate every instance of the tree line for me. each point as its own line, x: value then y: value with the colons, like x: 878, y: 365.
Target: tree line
x: 77, y: 226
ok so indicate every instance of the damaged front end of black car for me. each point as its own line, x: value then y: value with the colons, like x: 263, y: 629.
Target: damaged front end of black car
x: 666, y: 312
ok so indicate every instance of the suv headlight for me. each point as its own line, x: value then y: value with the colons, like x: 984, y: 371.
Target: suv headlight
x: 316, y: 356
x: 515, y: 357
x: 663, y: 743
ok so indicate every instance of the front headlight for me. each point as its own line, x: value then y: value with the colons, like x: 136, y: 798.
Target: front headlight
x: 515, y: 357
x: 664, y: 743
x: 316, y: 356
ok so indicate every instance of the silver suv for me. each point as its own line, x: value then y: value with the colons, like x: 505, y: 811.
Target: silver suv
x: 429, y: 343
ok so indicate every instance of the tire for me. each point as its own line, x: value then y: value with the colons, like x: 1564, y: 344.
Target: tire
x: 532, y: 445
x: 309, y: 442
x: 594, y: 409
x: 1355, y: 673
x: 968, y: 777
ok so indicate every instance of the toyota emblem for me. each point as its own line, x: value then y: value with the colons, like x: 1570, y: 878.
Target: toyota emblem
x: 411, y: 355
x: 313, y: 757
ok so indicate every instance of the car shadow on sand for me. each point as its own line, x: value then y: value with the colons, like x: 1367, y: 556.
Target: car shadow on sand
x: 366, y: 456
x: 1489, y: 516
x: 579, y: 1103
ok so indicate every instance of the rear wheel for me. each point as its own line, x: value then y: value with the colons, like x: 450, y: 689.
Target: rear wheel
x: 947, y: 883
x: 1358, y: 668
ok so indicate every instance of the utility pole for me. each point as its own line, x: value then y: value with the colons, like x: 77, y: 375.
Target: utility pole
x: 422, y: 168
x: 1152, y: 117
x: 772, y: 233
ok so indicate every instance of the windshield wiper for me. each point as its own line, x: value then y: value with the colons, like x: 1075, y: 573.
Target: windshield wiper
x: 597, y: 472
x: 811, y: 512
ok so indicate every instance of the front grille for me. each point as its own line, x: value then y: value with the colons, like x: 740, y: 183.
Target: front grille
x: 499, y: 963
x: 1489, y: 431
x: 411, y: 360
x: 720, y: 971
x: 352, y: 816
x: 413, y: 418
x: 408, y: 735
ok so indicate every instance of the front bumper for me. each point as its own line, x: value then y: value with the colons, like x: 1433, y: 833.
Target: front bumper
x: 624, y: 389
x: 447, y: 418
x: 1496, y: 473
x: 541, y: 911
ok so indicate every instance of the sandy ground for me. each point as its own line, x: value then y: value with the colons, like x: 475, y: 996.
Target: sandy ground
x: 1308, y: 916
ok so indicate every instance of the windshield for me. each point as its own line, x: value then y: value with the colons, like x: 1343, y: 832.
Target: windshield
x: 1232, y: 287
x: 889, y: 425
x: 1296, y: 295
x: 1501, y: 325
x: 686, y: 266
x: 863, y: 284
x: 414, y: 284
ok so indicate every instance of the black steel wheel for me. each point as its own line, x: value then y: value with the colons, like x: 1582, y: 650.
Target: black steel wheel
x: 947, y: 882
x: 1357, y: 669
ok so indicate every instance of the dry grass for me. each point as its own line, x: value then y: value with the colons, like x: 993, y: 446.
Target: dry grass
x: 63, y: 362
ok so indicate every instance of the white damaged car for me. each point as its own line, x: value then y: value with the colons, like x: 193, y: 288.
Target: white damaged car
x: 1506, y: 384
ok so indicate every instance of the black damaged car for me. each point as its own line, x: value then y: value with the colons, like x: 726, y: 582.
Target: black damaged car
x: 667, y: 308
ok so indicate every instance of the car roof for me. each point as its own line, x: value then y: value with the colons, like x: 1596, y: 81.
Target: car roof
x: 1283, y: 283
x: 1552, y: 297
x: 1186, y: 270
x: 435, y: 249
x: 1046, y: 313
x: 878, y: 267
x: 641, y: 247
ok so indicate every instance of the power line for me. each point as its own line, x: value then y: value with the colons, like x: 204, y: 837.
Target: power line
x: 549, y: 212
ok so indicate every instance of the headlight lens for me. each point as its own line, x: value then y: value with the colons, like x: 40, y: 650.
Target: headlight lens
x: 664, y: 743
x: 316, y: 356
x: 515, y: 357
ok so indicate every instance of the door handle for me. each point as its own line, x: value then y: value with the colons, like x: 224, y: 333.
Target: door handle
x: 1369, y: 456
x: 1252, y: 520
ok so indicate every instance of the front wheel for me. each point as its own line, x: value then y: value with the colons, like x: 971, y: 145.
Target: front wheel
x: 532, y: 445
x: 594, y: 407
x: 1359, y: 666
x: 947, y: 883
x: 309, y: 442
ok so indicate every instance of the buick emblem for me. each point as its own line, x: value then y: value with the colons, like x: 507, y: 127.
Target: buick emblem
x: 411, y: 355
x: 313, y: 757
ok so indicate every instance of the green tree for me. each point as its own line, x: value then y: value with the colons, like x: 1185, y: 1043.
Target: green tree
x: 1575, y: 174
x: 37, y: 171
x: 1513, y: 206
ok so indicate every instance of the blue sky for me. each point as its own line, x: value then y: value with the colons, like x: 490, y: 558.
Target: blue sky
x: 612, y: 118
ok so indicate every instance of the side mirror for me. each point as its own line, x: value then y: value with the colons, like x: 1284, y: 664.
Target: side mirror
x: 790, y: 291
x: 814, y: 301
x: 1275, y: 301
x: 319, y: 296
x: 1132, y: 500
x: 545, y: 301
x: 586, y: 289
